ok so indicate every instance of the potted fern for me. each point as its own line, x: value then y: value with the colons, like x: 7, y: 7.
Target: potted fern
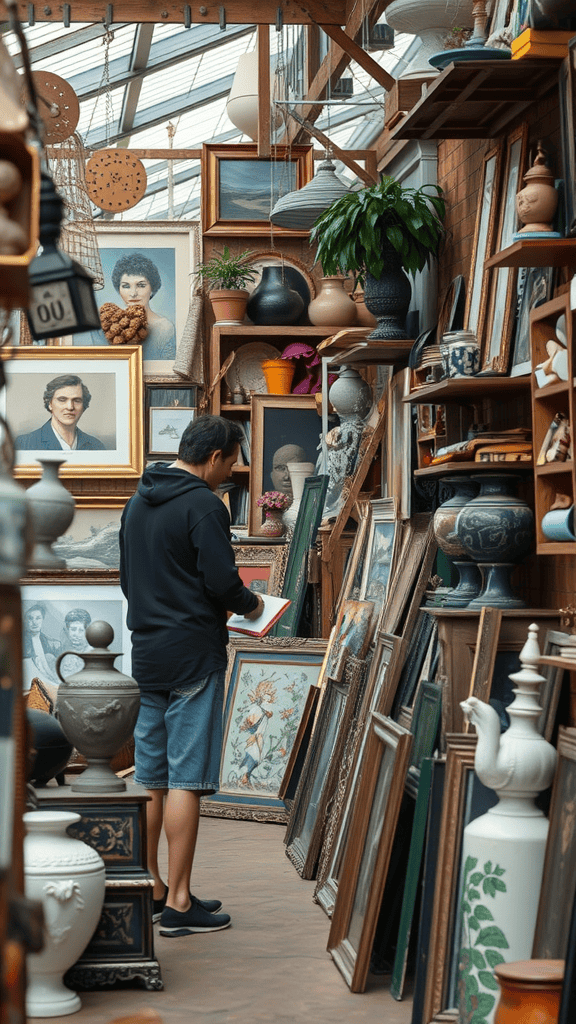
x: 380, y: 234
x: 226, y: 276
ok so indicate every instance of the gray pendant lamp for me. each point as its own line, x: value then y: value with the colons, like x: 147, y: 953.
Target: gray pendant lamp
x: 298, y: 210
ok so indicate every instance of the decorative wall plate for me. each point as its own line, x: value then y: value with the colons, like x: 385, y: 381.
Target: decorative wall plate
x: 115, y: 180
x: 58, y: 106
x: 246, y: 370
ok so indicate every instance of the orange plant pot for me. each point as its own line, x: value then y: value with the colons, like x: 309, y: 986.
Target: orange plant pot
x: 278, y: 374
x: 530, y: 991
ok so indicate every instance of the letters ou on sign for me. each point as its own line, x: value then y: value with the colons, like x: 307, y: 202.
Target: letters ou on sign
x: 52, y: 308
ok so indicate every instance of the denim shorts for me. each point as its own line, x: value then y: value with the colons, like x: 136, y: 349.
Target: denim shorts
x: 178, y: 736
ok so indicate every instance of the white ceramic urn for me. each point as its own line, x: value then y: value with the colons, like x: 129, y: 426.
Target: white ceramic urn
x: 67, y: 876
x: 503, y: 850
x: 298, y: 473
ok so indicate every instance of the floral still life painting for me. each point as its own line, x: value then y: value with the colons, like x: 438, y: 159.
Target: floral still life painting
x: 266, y: 693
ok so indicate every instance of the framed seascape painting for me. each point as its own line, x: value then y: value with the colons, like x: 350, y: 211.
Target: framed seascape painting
x: 239, y: 188
x: 169, y: 408
x: 84, y: 404
x: 368, y: 849
x: 92, y: 539
x: 285, y: 428
x: 267, y: 686
x: 151, y: 264
x: 55, y: 618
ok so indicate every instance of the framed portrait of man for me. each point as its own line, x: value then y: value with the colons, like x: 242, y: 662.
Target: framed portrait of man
x: 285, y: 428
x: 151, y: 265
x: 84, y: 405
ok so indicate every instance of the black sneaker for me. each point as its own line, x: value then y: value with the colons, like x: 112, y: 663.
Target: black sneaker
x: 212, y: 906
x: 196, y: 919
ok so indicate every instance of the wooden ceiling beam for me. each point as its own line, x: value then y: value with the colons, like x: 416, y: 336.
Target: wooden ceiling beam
x: 167, y: 12
x: 335, y: 62
x: 362, y: 58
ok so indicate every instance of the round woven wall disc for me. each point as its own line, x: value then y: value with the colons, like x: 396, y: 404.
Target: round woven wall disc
x: 115, y: 179
x: 58, y: 106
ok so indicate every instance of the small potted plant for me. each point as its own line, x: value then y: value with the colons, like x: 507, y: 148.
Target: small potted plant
x: 227, y: 276
x: 378, y: 233
x: 273, y: 504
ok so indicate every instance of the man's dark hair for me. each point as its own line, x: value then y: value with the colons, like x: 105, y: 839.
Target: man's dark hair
x: 66, y: 380
x: 35, y: 608
x: 78, y: 615
x: 137, y: 265
x: 208, y: 434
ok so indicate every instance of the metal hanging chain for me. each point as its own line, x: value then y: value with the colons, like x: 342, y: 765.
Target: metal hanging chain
x: 104, y: 86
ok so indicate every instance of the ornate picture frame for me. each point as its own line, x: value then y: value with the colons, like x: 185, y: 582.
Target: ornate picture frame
x: 113, y: 376
x: 267, y: 687
x: 261, y: 566
x: 239, y: 188
x: 368, y: 849
x: 482, y: 248
x: 169, y: 406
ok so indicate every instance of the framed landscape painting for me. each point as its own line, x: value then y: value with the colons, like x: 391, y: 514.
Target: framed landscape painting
x: 240, y: 188
x: 267, y: 685
x: 109, y: 427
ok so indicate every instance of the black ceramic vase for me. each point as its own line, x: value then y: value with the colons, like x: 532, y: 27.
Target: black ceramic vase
x: 495, y: 530
x: 274, y: 301
x: 388, y: 298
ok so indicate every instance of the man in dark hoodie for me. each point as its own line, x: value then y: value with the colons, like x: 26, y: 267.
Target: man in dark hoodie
x: 178, y: 573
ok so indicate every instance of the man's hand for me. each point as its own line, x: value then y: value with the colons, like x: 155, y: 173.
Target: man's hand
x: 257, y: 611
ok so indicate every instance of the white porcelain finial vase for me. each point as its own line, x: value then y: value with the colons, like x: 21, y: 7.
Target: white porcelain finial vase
x: 298, y: 473
x: 67, y: 876
x: 503, y: 850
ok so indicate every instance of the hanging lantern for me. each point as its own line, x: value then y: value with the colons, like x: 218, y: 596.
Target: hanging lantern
x: 298, y: 210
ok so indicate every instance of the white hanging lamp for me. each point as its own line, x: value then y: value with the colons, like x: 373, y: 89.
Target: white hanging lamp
x: 299, y: 209
x: 243, y: 98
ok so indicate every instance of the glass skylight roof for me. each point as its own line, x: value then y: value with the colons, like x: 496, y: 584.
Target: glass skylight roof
x: 178, y: 76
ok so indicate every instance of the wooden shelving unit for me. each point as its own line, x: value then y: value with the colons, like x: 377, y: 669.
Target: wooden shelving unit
x: 448, y: 468
x: 556, y: 477
x: 467, y: 389
x: 477, y: 99
x: 536, y: 252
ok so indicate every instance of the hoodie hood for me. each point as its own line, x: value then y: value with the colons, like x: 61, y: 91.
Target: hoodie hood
x: 162, y: 482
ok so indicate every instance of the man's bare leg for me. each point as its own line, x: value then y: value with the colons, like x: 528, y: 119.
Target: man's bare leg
x: 181, y: 817
x: 154, y: 816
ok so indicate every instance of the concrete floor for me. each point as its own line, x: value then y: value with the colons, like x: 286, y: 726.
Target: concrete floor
x: 270, y: 965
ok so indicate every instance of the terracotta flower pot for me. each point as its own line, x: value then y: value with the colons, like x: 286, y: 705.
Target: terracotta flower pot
x: 229, y: 306
x: 278, y: 374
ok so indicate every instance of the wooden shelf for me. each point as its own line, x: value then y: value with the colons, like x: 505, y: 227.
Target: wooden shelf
x: 477, y: 99
x: 463, y: 389
x: 445, y: 468
x: 561, y: 388
x: 229, y: 407
x: 536, y: 252
x: 554, y: 468
x: 290, y: 332
x: 353, y: 346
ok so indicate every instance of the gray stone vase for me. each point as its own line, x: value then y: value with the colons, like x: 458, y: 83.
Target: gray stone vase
x: 52, y: 510
x: 97, y: 708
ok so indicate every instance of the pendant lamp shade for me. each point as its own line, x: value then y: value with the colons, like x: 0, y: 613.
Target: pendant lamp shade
x: 243, y: 98
x: 299, y: 209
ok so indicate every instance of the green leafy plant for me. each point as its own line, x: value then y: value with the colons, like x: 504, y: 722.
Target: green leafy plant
x: 223, y: 270
x: 352, y: 233
x: 485, y: 940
